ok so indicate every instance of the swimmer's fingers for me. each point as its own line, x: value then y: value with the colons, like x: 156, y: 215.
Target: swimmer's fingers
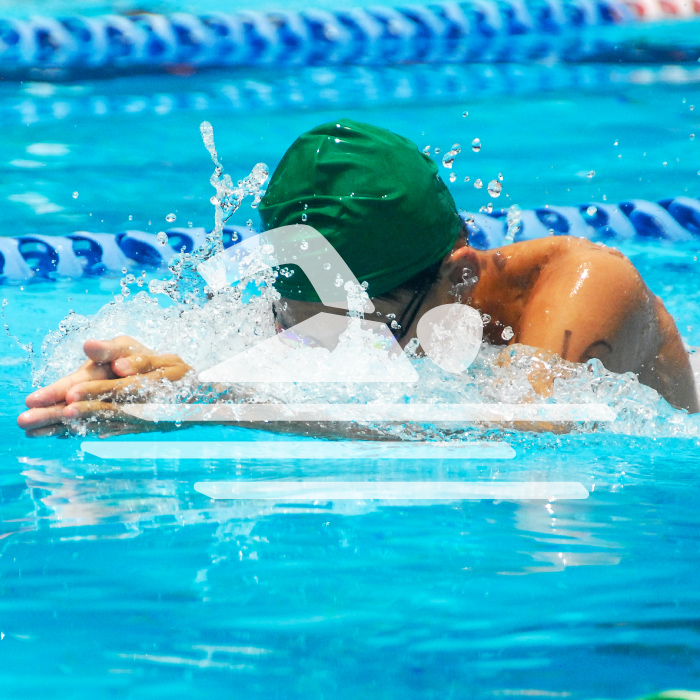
x: 56, y: 393
x: 49, y: 431
x: 106, y: 351
x: 145, y: 364
x: 97, y: 411
x: 39, y: 418
x: 123, y: 388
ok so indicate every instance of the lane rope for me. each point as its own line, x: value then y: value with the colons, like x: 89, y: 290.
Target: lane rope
x: 480, y: 30
x: 85, y: 254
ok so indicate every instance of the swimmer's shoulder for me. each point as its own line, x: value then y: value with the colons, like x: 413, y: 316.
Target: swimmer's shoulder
x: 561, y: 253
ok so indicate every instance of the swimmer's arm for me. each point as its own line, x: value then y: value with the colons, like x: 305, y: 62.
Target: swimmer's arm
x: 593, y: 303
x: 115, y: 369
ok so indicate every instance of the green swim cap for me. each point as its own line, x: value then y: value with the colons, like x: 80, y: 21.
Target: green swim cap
x: 377, y: 199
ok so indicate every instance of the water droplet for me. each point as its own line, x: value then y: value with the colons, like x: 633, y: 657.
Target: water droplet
x: 590, y: 174
x: 476, y: 145
x: 189, y: 223
x: 338, y: 282
x: 395, y: 325
x: 130, y: 279
x: 453, y: 177
x: 485, y: 318
x: 426, y: 150
x: 123, y: 270
x: 507, y: 333
x: 75, y: 195
x: 249, y: 223
x: 437, y: 150
x: 170, y: 218
x: 326, y: 266
x: 495, y: 188
x: 465, y: 113
x: 131, y: 218
x: 692, y: 107
x: 466, y: 179
x: 304, y: 245
x: 449, y: 158
x: 500, y: 177
x: 162, y: 237
x: 304, y: 216
x: 592, y: 211
x: 665, y: 163
x: 478, y: 184
x: 617, y: 143
x: 125, y: 291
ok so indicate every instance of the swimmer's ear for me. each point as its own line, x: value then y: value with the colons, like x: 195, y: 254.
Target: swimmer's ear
x: 462, y: 259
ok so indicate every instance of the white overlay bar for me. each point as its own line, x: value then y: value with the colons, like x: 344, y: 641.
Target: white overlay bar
x: 404, y: 413
x: 299, y: 450
x: 306, y: 491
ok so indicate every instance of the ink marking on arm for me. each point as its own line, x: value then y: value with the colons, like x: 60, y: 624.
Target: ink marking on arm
x: 565, y: 348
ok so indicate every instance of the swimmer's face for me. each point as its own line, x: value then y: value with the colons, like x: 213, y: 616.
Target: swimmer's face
x: 289, y: 312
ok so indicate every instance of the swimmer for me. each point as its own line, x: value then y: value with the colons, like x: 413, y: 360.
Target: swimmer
x: 383, y: 206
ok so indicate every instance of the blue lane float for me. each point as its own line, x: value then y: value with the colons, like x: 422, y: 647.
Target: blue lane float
x: 481, y: 30
x: 317, y: 88
x: 83, y: 254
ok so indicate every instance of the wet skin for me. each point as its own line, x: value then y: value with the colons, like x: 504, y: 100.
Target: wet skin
x: 560, y: 295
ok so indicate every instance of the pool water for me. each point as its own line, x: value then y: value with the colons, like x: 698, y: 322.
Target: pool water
x: 120, y: 580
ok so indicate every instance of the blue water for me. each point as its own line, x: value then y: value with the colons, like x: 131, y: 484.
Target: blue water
x: 119, y: 580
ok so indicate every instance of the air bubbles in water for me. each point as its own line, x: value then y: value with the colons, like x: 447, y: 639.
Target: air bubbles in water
x: 426, y: 150
x: 590, y: 174
x: 170, y: 218
x: 453, y: 177
x: 592, y: 211
x: 465, y: 113
x: 304, y: 217
x: 131, y: 218
x: 476, y: 145
x: 304, y: 245
x: 495, y: 188
x: 162, y: 237
x: 478, y: 184
x: 75, y: 195
x: 500, y: 177
x: 507, y: 333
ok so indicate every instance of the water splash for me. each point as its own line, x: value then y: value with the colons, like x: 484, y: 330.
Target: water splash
x: 207, y: 329
x: 186, y: 284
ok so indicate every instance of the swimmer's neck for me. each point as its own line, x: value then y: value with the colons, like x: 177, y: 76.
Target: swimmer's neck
x: 495, y: 282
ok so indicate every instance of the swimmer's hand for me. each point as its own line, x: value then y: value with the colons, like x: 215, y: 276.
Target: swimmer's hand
x: 115, y: 370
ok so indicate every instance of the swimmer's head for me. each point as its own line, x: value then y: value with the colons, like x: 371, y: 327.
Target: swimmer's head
x: 377, y: 199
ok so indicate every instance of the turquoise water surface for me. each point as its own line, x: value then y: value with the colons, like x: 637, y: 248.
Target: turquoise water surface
x: 120, y: 580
